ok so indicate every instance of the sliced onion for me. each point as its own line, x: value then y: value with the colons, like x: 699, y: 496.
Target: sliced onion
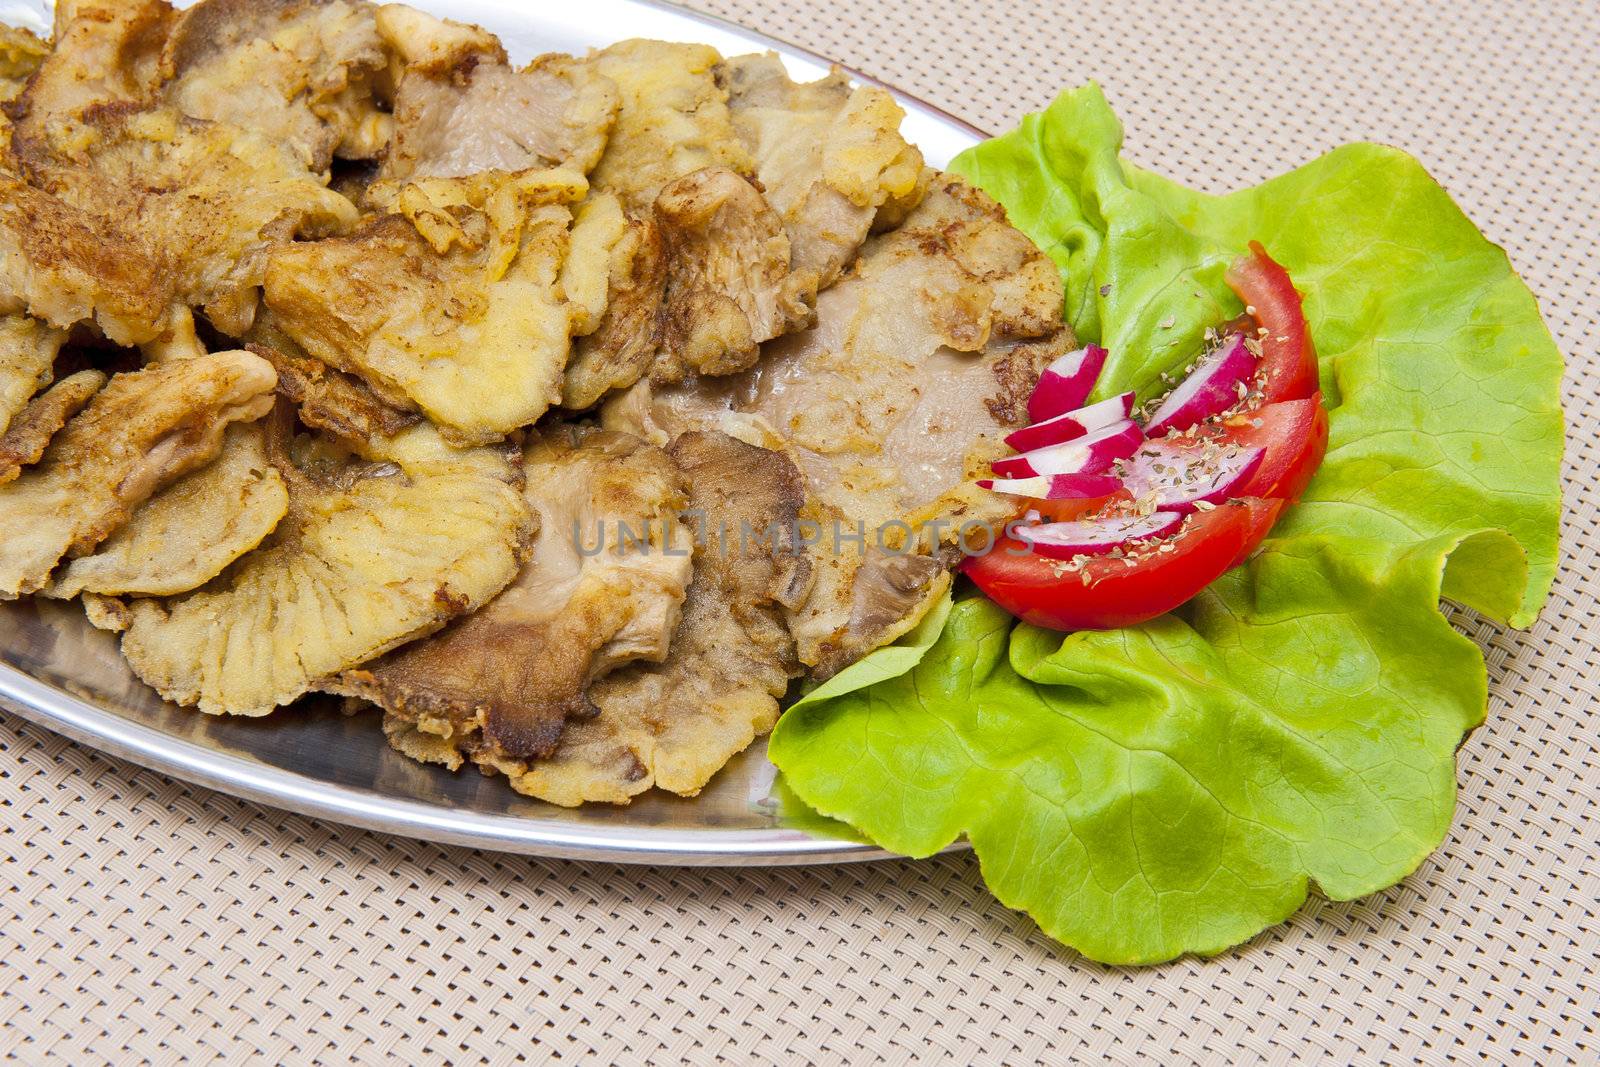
x: 1055, y: 486
x: 1073, y: 424
x: 1182, y: 475
x: 1066, y: 383
x: 1210, y: 389
x: 1095, y: 537
x: 1086, y: 455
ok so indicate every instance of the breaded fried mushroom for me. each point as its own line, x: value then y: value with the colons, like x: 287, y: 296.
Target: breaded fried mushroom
x: 189, y: 532
x: 30, y: 432
x: 602, y: 588
x: 674, y: 724
x: 303, y: 73
x: 376, y: 550
x: 460, y: 108
x: 453, y: 306
x: 141, y: 432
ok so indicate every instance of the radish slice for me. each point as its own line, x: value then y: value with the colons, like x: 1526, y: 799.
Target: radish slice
x: 1087, y: 455
x: 1182, y: 475
x: 1095, y: 537
x: 1055, y: 486
x: 1212, y: 388
x: 1073, y: 424
x: 1066, y: 383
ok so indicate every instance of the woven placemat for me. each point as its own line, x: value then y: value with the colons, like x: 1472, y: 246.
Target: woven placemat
x: 144, y: 919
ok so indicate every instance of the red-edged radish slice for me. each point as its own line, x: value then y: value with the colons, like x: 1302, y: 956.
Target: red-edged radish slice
x: 1073, y: 424
x: 1096, y: 537
x: 1212, y: 388
x: 1066, y: 383
x: 1087, y: 455
x: 1055, y: 486
x: 1183, y: 475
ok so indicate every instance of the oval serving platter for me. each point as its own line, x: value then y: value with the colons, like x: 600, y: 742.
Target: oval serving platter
x: 59, y: 672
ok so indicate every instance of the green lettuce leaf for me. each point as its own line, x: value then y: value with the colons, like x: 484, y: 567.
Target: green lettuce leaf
x: 1178, y: 786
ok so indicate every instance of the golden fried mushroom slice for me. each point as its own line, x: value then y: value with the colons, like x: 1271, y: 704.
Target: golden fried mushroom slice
x: 299, y: 72
x: 453, y: 307
x: 830, y: 157
x: 409, y: 739
x: 728, y: 286
x: 134, y: 206
x: 373, y: 553
x: 21, y: 53
x: 460, y: 108
x: 621, y: 345
x: 27, y: 357
x: 695, y: 285
x: 920, y: 362
x: 673, y: 119
x: 417, y: 39
x: 208, y: 198
x: 186, y: 534
x: 142, y: 431
x: 105, y: 612
x: 30, y: 432
x: 326, y: 399
x: 599, y: 230
x: 106, y: 53
x: 65, y: 266
x: 676, y: 723
x: 179, y: 338
x: 701, y: 275
x: 603, y: 587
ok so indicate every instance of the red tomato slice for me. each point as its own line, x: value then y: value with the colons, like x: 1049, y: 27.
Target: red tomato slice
x: 1288, y: 360
x: 1068, y: 510
x: 1295, y: 435
x: 1107, y: 593
x: 1263, y: 517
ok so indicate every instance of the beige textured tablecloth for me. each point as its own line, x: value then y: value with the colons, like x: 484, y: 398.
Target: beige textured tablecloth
x: 142, y: 918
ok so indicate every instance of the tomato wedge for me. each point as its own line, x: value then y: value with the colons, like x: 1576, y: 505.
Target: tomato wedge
x: 1295, y: 436
x: 1105, y: 593
x: 1146, y: 578
x: 1288, y: 359
x: 1068, y: 510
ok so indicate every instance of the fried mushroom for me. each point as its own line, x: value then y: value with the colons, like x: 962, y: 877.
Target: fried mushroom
x: 63, y: 266
x: 674, y: 724
x: 326, y: 399
x: 703, y: 273
x: 829, y: 157
x: 460, y: 108
x: 142, y: 431
x: 453, y: 306
x: 728, y: 283
x: 190, y: 531
x: 29, y: 434
x: 303, y: 73
x: 602, y: 588
x: 106, y: 56
x: 203, y: 200
x: 890, y: 407
x: 673, y: 119
x: 376, y: 550
x: 28, y: 351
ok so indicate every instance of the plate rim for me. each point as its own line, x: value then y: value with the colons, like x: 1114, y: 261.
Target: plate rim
x: 84, y: 722
x: 780, y: 44
x: 79, y: 720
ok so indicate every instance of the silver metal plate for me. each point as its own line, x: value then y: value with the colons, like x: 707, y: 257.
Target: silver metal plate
x: 58, y: 671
